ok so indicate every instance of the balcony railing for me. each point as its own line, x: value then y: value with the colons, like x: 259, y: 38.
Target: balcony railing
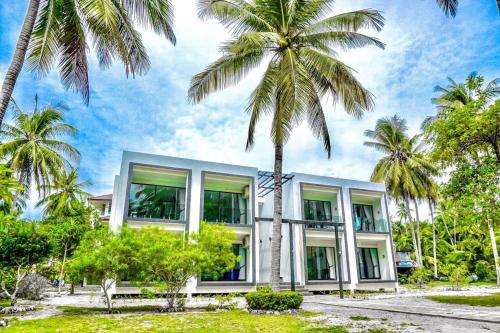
x: 155, y: 210
x: 369, y: 225
x: 337, y: 219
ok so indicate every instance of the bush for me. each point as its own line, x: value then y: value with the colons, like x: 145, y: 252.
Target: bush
x: 268, y: 300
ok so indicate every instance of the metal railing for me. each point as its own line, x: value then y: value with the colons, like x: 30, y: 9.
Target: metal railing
x: 315, y: 225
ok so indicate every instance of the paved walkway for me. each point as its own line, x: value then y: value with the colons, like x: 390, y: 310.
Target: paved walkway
x: 415, y: 305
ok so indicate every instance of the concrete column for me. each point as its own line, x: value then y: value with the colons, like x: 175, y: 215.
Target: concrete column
x: 351, y: 243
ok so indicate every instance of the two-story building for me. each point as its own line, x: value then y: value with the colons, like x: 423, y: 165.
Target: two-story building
x: 176, y: 194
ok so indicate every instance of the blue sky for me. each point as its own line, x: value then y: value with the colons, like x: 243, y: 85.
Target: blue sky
x: 150, y: 113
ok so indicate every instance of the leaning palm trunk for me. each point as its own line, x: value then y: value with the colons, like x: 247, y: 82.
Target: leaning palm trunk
x: 19, y: 55
x: 419, y: 239
x: 495, y: 250
x: 276, y: 236
x: 412, y: 229
x: 434, y: 245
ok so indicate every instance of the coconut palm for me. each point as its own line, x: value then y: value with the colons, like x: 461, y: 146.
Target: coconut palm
x: 60, y: 31
x: 450, y: 6
x: 456, y: 95
x: 404, y: 170
x: 66, y: 194
x: 295, y: 39
x: 31, y: 146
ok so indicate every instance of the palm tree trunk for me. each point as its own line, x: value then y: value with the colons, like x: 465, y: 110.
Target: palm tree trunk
x: 18, y: 59
x: 276, y: 235
x: 434, y: 246
x: 495, y: 250
x: 61, y: 272
x: 412, y: 229
x: 419, y: 239
x: 498, y: 5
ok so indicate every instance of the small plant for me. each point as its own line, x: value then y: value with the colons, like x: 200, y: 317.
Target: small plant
x: 147, y: 293
x: 456, y: 273
x: 279, y: 301
x: 419, y: 277
x: 224, y: 302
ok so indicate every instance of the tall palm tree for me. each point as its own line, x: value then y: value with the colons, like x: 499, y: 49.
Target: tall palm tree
x: 403, y: 169
x: 295, y: 39
x: 60, y: 31
x: 31, y: 146
x: 66, y: 196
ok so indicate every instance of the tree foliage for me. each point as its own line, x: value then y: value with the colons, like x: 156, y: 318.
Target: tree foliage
x: 65, y: 29
x: 168, y: 260
x: 22, y: 245
x: 8, y: 184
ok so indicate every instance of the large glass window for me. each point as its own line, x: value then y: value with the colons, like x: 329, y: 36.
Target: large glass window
x: 315, y: 210
x: 224, y: 207
x: 363, y: 218
x: 368, y: 264
x: 321, y: 263
x: 238, y: 273
x: 155, y: 201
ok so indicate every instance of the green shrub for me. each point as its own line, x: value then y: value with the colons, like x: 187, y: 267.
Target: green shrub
x: 268, y: 300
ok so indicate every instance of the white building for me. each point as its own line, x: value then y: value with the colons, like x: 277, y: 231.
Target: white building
x: 189, y: 191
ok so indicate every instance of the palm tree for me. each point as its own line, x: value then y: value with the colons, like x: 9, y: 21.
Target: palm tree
x: 450, y: 6
x: 456, y: 95
x: 31, y: 145
x: 295, y: 39
x: 60, y: 31
x: 403, y: 169
x: 66, y: 194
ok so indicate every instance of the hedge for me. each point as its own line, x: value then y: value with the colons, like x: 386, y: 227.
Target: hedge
x: 279, y: 301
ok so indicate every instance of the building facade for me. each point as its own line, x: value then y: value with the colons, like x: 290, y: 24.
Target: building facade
x: 176, y: 194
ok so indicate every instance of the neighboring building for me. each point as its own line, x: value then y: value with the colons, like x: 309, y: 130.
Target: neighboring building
x: 177, y: 194
x: 103, y: 204
x: 404, y: 262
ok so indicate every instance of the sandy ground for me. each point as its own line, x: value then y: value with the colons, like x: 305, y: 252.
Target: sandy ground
x: 407, y: 311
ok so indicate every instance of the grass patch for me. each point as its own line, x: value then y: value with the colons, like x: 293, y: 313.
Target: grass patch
x: 309, y: 314
x: 365, y: 318
x: 75, y: 320
x: 488, y: 300
x: 4, y: 303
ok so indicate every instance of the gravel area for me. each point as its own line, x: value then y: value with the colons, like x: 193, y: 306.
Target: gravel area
x: 396, y: 322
